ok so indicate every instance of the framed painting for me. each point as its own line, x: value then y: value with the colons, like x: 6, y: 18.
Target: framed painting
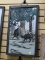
x: 23, y: 31
x: 1, y: 21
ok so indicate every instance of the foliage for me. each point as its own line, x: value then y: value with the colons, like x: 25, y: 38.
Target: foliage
x: 23, y: 13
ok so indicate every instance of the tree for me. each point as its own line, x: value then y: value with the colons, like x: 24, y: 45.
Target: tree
x: 32, y: 13
x: 20, y: 14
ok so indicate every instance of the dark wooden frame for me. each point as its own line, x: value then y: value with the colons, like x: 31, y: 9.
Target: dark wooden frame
x: 36, y: 43
x: 2, y: 18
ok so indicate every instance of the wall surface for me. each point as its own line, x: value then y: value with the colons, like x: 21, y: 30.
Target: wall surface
x: 41, y: 24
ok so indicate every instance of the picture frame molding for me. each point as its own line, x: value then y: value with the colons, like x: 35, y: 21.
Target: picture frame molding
x: 2, y: 21
x: 36, y: 44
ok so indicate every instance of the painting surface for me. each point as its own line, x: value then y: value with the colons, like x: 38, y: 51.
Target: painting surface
x: 0, y: 20
x: 22, y: 31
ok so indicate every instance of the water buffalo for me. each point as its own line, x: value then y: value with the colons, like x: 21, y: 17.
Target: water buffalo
x: 27, y: 36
